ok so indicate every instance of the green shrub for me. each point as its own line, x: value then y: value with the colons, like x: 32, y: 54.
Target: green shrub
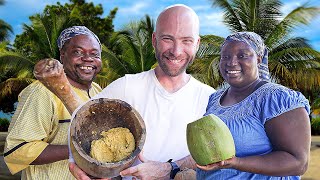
x: 4, y: 124
x: 315, y: 126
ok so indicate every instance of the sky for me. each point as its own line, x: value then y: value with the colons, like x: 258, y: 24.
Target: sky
x: 17, y: 12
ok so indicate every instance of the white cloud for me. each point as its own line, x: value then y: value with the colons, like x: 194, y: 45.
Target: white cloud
x: 201, y: 8
x: 289, y: 6
x: 136, y: 8
x: 212, y: 23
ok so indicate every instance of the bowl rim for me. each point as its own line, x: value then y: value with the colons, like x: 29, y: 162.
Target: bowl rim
x: 88, y: 158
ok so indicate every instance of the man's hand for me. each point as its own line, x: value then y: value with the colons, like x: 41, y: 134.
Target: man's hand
x: 148, y: 170
x: 77, y: 172
x: 51, y: 74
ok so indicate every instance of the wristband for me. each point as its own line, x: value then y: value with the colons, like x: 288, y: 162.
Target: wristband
x: 174, y: 169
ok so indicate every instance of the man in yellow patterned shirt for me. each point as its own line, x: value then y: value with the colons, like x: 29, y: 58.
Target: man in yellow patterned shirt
x: 37, y: 137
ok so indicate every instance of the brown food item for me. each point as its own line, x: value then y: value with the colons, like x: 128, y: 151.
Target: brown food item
x: 51, y: 74
x: 186, y: 174
x: 115, y: 145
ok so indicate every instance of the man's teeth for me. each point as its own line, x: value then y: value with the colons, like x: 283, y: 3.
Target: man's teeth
x: 233, y: 72
x: 175, y: 61
x: 86, y: 67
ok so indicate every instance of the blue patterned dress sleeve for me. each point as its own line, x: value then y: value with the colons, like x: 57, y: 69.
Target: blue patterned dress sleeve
x: 280, y: 100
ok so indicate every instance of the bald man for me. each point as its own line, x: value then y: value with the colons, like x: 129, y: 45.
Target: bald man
x: 166, y: 97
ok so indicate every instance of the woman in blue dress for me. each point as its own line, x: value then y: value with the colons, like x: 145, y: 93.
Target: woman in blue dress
x: 269, y: 122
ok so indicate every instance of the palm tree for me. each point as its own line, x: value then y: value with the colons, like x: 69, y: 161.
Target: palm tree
x: 292, y: 61
x: 42, y: 36
x: 207, y: 59
x: 17, y: 65
x: 15, y: 75
x: 130, y: 51
x: 5, y: 28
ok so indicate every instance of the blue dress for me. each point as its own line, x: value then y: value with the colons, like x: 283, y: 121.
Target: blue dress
x: 246, y: 121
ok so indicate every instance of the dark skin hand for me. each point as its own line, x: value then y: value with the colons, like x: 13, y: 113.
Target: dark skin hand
x: 52, y: 153
x: 51, y: 74
x: 290, y: 136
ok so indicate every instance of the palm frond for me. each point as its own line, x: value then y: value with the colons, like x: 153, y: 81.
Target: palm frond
x: 113, y: 62
x: 5, y: 30
x: 9, y: 91
x: 205, y: 66
x: 231, y: 17
x: 17, y: 64
x: 300, y: 15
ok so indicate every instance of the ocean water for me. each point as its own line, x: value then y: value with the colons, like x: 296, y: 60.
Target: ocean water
x: 6, y: 115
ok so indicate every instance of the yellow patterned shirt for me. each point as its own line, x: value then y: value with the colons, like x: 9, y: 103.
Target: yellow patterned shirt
x: 39, y: 120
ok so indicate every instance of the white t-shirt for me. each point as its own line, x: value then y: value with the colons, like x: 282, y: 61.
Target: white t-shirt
x: 165, y: 114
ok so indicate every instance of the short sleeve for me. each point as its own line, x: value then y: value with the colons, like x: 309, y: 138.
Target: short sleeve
x: 280, y: 100
x: 30, y: 125
x: 33, y: 119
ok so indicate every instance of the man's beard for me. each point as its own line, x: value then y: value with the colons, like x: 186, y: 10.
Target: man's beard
x: 169, y: 71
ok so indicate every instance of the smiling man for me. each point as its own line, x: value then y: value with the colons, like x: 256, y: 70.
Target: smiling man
x: 37, y: 138
x: 166, y: 97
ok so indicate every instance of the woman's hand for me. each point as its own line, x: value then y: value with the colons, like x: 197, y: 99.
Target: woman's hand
x: 229, y: 163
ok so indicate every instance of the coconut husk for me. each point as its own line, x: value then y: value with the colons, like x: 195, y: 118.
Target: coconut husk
x: 186, y: 174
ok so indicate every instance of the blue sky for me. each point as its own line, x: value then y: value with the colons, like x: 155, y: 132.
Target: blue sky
x: 16, y: 12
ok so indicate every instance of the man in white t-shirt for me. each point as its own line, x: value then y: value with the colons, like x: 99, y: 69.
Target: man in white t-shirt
x: 166, y: 97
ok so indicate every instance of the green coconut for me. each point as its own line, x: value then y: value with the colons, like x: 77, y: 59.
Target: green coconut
x: 209, y: 140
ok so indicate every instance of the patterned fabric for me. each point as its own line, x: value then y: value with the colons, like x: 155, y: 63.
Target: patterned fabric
x: 246, y: 121
x: 263, y: 67
x: 256, y: 43
x: 73, y: 31
x: 40, y: 119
